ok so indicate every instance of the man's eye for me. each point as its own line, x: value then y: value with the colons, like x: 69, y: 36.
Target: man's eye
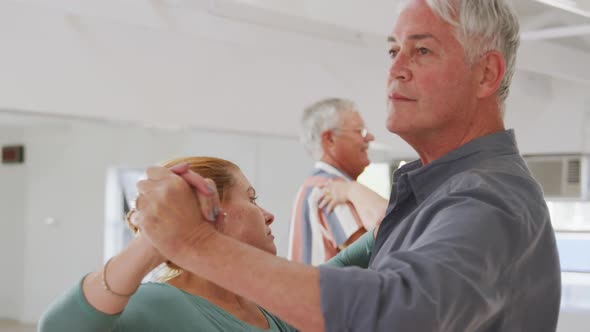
x: 253, y: 199
x: 392, y: 53
x: 423, y: 50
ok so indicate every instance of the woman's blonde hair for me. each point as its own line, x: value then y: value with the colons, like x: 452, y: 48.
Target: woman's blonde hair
x: 216, y: 169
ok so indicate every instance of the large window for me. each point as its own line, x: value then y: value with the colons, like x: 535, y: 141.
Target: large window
x: 377, y: 176
x: 571, y: 220
x: 121, y: 193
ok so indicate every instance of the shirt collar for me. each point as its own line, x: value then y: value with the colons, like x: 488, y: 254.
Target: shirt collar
x: 331, y: 169
x: 426, y: 179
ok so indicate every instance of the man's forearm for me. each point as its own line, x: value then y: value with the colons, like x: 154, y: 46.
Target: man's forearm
x: 289, y: 290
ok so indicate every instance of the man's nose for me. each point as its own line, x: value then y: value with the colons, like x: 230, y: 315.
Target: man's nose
x: 399, y: 68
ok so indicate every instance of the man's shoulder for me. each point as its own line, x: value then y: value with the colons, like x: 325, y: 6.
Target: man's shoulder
x: 495, y: 174
x: 508, y: 187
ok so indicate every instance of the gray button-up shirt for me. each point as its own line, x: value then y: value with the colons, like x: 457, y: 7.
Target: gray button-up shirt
x: 466, y: 245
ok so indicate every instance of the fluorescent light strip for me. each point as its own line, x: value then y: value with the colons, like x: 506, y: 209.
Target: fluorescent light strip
x: 568, y: 5
x: 559, y: 32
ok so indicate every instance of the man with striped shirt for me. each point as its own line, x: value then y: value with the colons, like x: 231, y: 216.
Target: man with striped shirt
x: 334, y: 134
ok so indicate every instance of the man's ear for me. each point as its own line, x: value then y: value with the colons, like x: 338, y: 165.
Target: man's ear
x: 327, y: 137
x: 492, y: 68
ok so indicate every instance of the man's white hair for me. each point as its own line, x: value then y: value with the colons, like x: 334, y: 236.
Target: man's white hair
x: 481, y: 26
x: 319, y: 117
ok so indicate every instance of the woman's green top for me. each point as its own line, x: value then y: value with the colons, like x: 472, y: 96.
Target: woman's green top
x: 161, y: 307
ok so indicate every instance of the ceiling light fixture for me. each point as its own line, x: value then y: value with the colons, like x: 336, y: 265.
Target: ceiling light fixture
x: 572, y: 6
x: 558, y: 32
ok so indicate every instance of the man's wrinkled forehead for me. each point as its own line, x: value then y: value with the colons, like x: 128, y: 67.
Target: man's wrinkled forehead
x: 417, y: 21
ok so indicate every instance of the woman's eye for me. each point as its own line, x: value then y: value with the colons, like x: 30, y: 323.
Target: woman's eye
x: 253, y: 199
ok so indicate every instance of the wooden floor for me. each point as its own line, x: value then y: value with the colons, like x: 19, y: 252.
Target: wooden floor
x: 12, y: 326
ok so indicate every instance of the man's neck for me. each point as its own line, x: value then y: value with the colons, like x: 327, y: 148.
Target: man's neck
x: 434, y: 144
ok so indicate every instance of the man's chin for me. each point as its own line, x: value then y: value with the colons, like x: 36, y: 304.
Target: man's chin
x: 366, y: 164
x: 393, y: 126
x: 365, y: 157
x: 390, y: 123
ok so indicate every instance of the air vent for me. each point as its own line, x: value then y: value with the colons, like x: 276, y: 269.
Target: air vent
x: 573, y: 171
x: 563, y: 177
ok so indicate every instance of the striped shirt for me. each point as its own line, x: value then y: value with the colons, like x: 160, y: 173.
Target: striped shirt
x: 315, y: 235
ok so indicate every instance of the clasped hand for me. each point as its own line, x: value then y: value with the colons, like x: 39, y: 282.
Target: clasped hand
x: 176, y: 209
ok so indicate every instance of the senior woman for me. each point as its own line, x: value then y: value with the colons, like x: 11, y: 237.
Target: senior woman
x: 113, y: 298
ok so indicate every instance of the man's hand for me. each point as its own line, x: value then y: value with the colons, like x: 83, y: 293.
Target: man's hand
x: 173, y: 215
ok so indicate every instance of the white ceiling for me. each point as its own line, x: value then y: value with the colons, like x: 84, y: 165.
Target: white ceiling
x: 560, y: 22
x: 556, y: 38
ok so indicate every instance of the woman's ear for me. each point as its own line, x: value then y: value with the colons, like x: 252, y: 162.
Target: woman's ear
x: 221, y: 221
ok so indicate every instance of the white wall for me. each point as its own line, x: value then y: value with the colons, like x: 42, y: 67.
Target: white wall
x: 186, y: 68
x: 13, y: 207
x: 64, y: 178
x: 549, y: 115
